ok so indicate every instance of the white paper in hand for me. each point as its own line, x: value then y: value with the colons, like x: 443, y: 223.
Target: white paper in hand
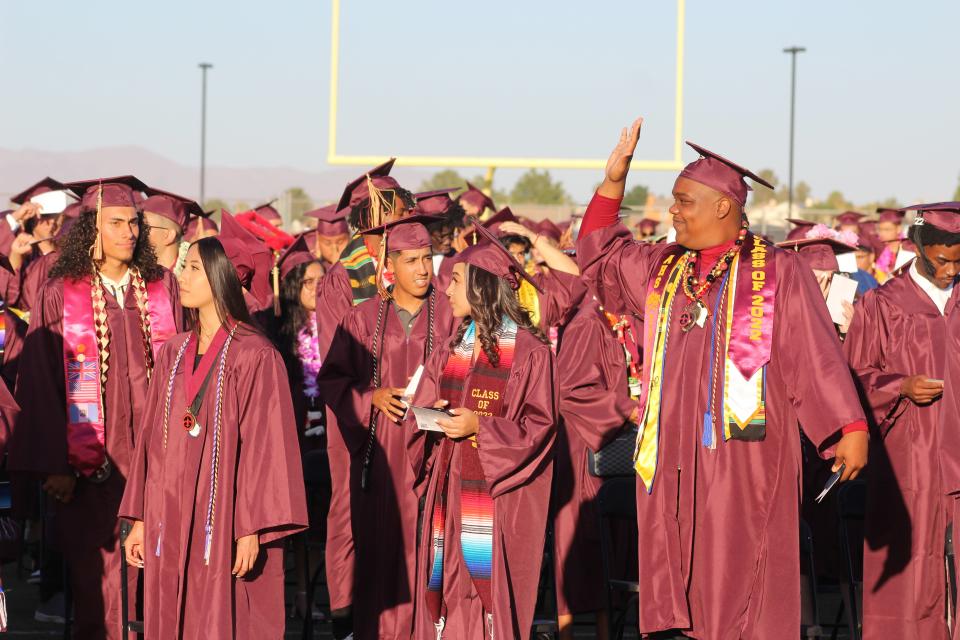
x: 842, y: 289
x: 427, y: 418
x: 847, y: 262
x: 412, y: 386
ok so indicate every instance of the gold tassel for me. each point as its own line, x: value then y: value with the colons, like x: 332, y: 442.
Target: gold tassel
x: 381, y: 262
x: 276, y: 283
x: 379, y: 207
x: 98, y: 243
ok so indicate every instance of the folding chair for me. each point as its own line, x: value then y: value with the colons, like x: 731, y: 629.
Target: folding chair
x: 809, y: 605
x: 852, y: 503
x: 616, y: 501
x: 951, y: 577
x: 129, y: 626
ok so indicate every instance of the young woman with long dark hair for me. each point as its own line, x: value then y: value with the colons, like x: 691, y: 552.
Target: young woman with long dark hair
x: 216, y: 481
x: 297, y: 339
x: 490, y: 471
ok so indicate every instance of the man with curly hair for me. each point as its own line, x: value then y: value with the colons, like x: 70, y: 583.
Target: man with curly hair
x: 88, y: 356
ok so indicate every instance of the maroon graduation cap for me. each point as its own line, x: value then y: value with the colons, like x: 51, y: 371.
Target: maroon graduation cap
x: 943, y: 215
x: 356, y: 190
x: 118, y: 191
x: 818, y: 253
x: 491, y: 256
x: 331, y: 221
x: 295, y: 255
x: 720, y: 174
x: 267, y: 211
x: 171, y: 206
x: 435, y: 202
x: 44, y: 186
x: 849, y: 217
x: 891, y: 215
x: 477, y: 198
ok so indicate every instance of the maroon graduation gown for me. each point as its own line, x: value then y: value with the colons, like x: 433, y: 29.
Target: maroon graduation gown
x: 34, y: 277
x: 88, y: 528
x: 260, y: 490
x: 897, y: 332
x: 559, y: 297
x: 16, y: 333
x: 949, y: 429
x: 11, y: 285
x: 717, y: 535
x: 334, y: 301
x: 385, y: 515
x: 7, y: 235
x: 516, y: 454
x: 595, y: 404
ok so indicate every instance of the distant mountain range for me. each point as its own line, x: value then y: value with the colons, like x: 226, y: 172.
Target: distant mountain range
x: 22, y: 167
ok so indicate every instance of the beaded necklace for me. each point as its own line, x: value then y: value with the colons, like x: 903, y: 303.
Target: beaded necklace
x: 694, y: 314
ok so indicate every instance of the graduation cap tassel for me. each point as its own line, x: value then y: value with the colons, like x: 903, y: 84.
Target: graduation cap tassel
x: 98, y: 243
x: 378, y: 204
x: 381, y: 262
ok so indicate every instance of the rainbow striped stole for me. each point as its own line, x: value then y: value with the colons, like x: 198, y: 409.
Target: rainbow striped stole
x: 481, y: 390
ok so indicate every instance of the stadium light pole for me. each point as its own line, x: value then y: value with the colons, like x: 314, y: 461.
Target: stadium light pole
x: 203, y: 132
x: 793, y: 51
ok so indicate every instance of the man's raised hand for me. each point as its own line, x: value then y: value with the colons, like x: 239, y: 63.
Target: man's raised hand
x: 618, y: 164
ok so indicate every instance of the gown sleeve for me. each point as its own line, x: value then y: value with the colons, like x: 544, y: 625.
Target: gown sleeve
x: 949, y: 450
x: 593, y: 403
x: 815, y: 373
x: 334, y: 300
x: 421, y: 444
x: 131, y: 507
x: 38, y: 443
x: 616, y: 268
x: 270, y: 496
x: 345, y: 379
x: 866, y: 346
x: 562, y: 293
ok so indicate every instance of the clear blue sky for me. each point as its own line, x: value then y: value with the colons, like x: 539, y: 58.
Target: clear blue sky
x: 877, y: 90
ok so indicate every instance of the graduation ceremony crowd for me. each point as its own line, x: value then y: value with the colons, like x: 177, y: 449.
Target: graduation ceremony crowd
x: 448, y: 419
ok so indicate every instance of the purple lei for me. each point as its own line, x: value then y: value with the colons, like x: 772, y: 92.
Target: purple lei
x: 308, y: 351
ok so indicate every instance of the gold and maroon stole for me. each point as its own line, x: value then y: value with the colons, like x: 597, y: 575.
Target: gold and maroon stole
x: 481, y: 390
x: 82, y: 335
x: 741, y: 338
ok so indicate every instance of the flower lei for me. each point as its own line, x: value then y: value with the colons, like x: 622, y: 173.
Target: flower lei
x: 308, y: 351
x: 823, y: 231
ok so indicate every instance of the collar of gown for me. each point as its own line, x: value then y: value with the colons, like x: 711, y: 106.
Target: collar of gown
x: 938, y: 296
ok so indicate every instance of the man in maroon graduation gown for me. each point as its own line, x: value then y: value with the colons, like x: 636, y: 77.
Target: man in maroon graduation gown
x: 330, y: 236
x: 167, y: 214
x: 718, y: 453
x: 897, y: 347
x: 400, y: 331
x: 78, y: 437
x: 372, y: 199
